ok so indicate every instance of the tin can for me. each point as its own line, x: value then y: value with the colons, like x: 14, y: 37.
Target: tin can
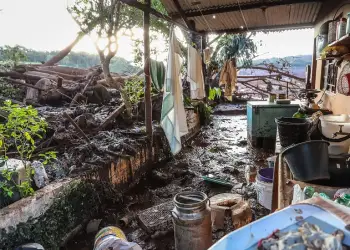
x: 192, y: 221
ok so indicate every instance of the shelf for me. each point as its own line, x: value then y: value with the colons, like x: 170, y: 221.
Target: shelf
x: 344, y: 40
x: 333, y: 57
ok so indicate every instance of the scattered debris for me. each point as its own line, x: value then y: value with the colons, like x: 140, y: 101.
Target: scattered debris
x: 40, y: 176
x: 183, y: 173
x: 93, y: 225
x: 157, y: 218
x: 308, y: 236
x: 232, y: 205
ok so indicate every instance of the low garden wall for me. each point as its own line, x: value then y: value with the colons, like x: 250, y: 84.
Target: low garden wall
x: 54, y: 211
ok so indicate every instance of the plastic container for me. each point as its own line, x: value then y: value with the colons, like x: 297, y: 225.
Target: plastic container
x: 263, y: 187
x: 292, y: 130
x: 113, y: 238
x: 271, y: 161
x: 265, y: 175
x: 330, y: 125
x: 264, y: 193
x: 332, y: 30
x: 308, y: 161
x: 348, y: 24
x: 192, y: 221
x: 341, y: 28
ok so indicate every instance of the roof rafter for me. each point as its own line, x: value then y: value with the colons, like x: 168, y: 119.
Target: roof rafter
x: 182, y: 13
x: 144, y: 7
x: 236, y: 7
x: 263, y: 28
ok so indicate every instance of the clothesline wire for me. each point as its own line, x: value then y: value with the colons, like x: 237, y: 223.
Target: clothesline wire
x: 240, y: 10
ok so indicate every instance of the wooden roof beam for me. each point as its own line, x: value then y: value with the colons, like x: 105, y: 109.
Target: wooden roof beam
x: 236, y: 7
x: 144, y: 7
x: 263, y: 28
x: 182, y: 13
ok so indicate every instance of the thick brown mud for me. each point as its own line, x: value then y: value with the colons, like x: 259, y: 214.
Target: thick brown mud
x: 221, y: 150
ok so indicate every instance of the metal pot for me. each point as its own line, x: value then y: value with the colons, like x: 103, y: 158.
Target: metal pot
x: 192, y: 221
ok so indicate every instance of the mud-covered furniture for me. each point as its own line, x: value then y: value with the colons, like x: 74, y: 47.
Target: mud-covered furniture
x: 261, y: 126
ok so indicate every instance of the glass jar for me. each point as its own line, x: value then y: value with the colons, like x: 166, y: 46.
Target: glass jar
x: 348, y: 24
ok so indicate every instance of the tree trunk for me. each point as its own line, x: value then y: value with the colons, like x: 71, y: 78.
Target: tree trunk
x: 63, y: 53
x: 110, y: 82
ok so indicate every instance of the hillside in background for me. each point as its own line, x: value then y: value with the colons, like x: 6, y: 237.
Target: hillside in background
x: 122, y: 66
x: 80, y: 60
x: 297, y: 63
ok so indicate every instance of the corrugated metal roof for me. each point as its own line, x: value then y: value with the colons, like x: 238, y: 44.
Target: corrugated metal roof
x: 274, y: 16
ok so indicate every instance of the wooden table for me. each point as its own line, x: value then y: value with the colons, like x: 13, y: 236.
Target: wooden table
x: 283, y: 182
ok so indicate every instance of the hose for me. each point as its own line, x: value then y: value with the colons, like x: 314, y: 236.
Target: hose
x: 330, y: 139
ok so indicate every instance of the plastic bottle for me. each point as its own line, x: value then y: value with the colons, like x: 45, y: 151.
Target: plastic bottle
x: 113, y: 238
x: 309, y: 192
x: 299, y: 114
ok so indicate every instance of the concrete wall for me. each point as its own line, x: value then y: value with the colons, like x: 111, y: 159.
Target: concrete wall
x: 338, y: 103
x: 54, y: 211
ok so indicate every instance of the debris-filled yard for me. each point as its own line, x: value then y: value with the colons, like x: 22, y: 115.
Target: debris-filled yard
x: 220, y: 150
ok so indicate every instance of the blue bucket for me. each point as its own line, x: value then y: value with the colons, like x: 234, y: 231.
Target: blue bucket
x: 265, y: 175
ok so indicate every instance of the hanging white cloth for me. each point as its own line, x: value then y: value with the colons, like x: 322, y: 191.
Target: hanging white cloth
x: 173, y: 119
x: 195, y: 74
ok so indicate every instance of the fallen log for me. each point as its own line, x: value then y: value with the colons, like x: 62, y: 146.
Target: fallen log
x: 256, y: 76
x: 277, y: 71
x: 33, y: 76
x: 91, y: 80
x: 63, y: 75
x: 76, y: 127
x: 64, y: 70
x: 24, y: 84
x: 63, y: 53
x: 116, y: 80
x: 111, y: 117
x: 260, y: 91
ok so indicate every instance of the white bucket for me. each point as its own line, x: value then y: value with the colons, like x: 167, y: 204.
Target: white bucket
x: 330, y: 125
x: 264, y: 193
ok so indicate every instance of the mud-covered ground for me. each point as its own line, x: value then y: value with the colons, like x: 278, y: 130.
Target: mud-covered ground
x: 220, y: 150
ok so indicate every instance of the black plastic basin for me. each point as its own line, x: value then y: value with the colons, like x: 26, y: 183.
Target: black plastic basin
x: 308, y: 161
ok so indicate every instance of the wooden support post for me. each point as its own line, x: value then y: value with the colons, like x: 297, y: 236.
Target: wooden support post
x: 148, y: 100
x: 307, y: 77
x: 204, y: 66
x: 313, y: 66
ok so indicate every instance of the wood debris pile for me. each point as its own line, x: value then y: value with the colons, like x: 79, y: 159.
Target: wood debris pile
x: 87, y: 123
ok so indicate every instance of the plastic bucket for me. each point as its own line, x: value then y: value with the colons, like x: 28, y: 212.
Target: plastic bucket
x: 292, y: 130
x: 308, y: 161
x: 264, y: 193
x: 265, y: 175
x: 330, y: 125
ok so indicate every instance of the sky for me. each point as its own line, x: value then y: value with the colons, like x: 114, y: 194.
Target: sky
x: 46, y: 25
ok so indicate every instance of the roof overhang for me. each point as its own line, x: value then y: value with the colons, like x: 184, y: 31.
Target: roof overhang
x: 237, y: 16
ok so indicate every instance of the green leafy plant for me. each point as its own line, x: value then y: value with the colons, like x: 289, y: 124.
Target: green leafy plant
x: 7, y: 90
x: 14, y: 55
x: 214, y: 93
x: 205, y: 111
x: 134, y: 88
x: 22, y: 127
x: 48, y: 157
